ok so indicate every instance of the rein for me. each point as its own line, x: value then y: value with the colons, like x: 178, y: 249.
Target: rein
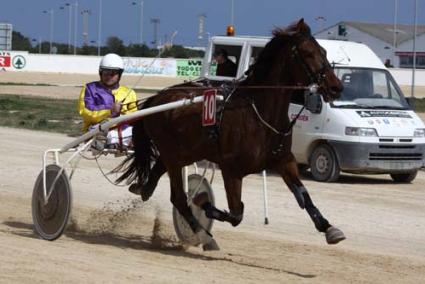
x: 271, y: 87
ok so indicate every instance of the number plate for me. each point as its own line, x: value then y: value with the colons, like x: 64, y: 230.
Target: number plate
x: 209, y: 108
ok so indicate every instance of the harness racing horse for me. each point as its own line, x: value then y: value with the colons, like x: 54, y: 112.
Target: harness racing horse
x: 254, y: 131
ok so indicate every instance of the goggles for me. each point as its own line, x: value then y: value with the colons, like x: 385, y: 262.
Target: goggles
x: 111, y: 72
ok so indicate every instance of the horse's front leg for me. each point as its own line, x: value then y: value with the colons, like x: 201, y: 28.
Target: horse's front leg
x: 233, y: 186
x: 288, y: 169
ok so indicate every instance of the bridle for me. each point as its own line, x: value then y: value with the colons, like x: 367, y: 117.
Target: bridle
x: 316, y: 82
x: 318, y: 77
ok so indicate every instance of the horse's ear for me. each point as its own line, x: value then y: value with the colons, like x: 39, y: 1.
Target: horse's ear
x: 293, y: 29
x: 303, y: 28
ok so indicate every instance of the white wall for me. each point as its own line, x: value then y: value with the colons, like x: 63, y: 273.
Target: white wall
x: 404, y: 76
x: 80, y: 64
x: 62, y: 63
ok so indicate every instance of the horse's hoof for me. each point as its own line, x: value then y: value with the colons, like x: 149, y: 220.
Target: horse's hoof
x: 146, y: 195
x: 212, y: 245
x: 334, y: 235
x: 147, y: 191
x: 135, y: 189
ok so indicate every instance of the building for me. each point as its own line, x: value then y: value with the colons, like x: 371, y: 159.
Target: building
x: 5, y: 36
x: 394, y: 48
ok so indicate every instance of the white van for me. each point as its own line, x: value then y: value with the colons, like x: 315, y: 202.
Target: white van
x: 370, y: 129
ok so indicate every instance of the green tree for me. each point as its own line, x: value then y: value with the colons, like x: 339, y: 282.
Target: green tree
x: 20, y: 42
x: 178, y: 51
x: 138, y: 50
x: 88, y: 50
x: 115, y: 45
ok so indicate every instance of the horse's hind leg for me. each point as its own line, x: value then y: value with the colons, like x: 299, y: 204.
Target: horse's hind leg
x: 179, y: 200
x: 289, y: 171
x: 146, y: 190
x: 155, y: 174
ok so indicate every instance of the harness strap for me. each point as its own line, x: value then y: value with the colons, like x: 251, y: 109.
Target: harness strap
x: 280, y: 147
x: 291, y: 124
x: 263, y: 121
x: 120, y: 142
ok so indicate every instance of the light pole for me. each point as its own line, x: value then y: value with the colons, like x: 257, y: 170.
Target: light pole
x: 232, y: 13
x: 142, y: 3
x: 85, y: 14
x: 414, y: 50
x: 99, y: 29
x: 51, y: 27
x: 201, y: 27
x: 75, y: 27
x: 69, y: 6
x: 395, y: 30
x: 155, y: 22
x: 208, y: 37
x: 39, y: 44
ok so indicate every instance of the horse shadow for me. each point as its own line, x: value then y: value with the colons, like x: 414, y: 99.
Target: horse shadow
x: 139, y: 242
x: 353, y: 179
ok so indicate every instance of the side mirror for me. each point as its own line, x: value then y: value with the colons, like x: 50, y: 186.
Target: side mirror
x: 411, y: 102
x: 313, y: 102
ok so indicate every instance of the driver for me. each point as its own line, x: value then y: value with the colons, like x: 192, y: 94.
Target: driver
x: 105, y: 99
x: 225, y: 66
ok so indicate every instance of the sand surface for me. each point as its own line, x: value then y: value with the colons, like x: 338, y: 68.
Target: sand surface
x: 114, y: 237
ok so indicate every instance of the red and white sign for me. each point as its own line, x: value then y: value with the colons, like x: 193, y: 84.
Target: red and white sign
x: 4, y: 61
x: 209, y: 108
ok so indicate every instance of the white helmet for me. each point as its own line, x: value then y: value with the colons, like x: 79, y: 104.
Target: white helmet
x: 111, y: 61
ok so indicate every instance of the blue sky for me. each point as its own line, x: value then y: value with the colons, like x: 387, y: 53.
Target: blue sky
x: 251, y: 17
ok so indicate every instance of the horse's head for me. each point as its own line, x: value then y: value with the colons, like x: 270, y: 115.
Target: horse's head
x: 308, y: 63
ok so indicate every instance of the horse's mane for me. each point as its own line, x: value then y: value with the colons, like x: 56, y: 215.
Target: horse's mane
x: 261, y: 68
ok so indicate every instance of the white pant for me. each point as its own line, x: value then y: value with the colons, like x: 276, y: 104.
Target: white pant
x: 113, y: 136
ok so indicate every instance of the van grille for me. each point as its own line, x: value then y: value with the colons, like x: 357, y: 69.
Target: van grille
x: 396, y: 156
x: 396, y: 146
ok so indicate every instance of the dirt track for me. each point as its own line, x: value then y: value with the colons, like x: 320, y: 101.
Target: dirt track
x: 116, y: 238
x: 68, y: 86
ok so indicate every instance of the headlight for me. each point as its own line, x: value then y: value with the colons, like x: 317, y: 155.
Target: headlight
x: 360, y: 131
x: 419, y: 132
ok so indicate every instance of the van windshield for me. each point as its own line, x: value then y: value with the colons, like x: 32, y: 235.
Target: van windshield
x: 368, y: 88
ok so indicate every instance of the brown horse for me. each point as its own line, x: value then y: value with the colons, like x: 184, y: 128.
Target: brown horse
x: 253, y: 134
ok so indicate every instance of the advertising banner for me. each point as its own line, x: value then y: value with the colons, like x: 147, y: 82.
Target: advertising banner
x: 189, y: 67
x: 13, y: 61
x: 150, y: 66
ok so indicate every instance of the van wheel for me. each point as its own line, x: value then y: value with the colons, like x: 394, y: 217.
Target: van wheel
x: 323, y: 164
x: 406, y: 178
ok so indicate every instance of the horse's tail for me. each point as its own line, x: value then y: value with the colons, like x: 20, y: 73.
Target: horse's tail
x: 138, y: 165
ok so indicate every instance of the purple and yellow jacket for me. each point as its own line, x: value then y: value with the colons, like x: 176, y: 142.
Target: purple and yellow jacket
x: 96, y: 102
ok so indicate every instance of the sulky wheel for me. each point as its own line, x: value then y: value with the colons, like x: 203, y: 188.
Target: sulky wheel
x: 51, y: 218
x: 184, y: 232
